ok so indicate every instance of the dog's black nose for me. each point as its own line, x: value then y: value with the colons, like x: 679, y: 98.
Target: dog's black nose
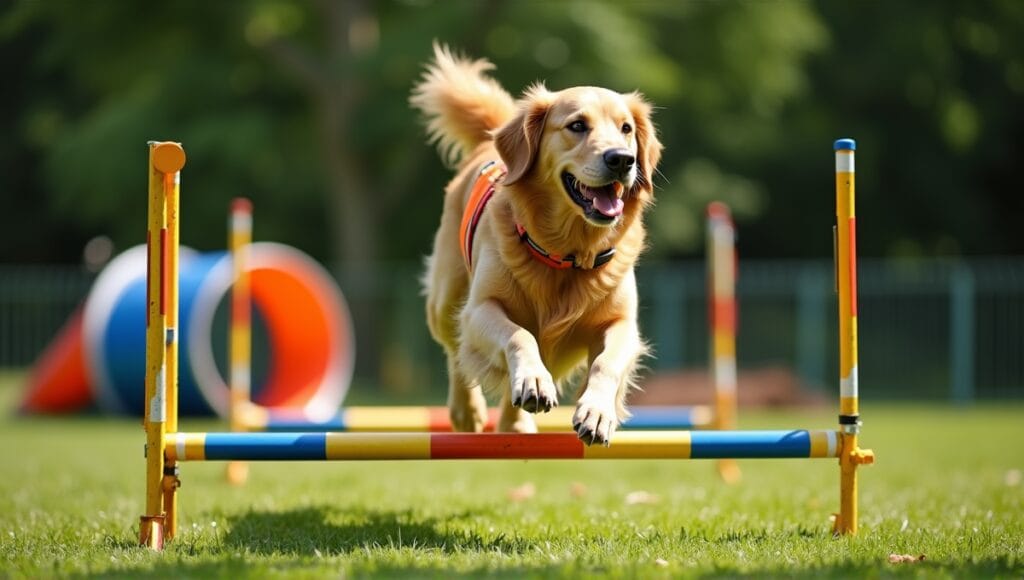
x: 620, y: 161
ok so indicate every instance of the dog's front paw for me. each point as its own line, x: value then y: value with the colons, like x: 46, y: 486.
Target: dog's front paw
x: 595, y: 420
x: 533, y: 390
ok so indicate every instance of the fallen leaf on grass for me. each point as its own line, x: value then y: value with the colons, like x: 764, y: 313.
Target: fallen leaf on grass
x: 1012, y: 478
x: 577, y: 489
x: 523, y: 492
x: 641, y: 497
x: 904, y: 558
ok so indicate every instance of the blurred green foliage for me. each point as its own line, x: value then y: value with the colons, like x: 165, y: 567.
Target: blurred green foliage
x: 302, y: 106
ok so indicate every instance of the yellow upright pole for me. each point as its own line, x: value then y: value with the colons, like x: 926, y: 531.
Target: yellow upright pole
x: 172, y: 160
x: 240, y: 351
x: 846, y: 281
x: 721, y: 263
x: 165, y: 159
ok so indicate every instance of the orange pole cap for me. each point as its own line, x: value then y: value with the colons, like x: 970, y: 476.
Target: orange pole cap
x: 168, y: 157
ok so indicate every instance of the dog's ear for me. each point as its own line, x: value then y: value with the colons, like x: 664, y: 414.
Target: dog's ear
x: 519, y: 140
x: 648, y: 152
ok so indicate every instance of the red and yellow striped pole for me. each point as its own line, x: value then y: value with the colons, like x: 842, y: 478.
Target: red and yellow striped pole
x: 722, y: 266
x: 846, y: 281
x: 240, y: 354
x: 165, y: 161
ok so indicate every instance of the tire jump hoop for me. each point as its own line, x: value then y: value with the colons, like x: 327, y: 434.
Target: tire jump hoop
x: 166, y: 447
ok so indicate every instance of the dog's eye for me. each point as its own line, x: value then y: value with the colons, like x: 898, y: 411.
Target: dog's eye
x: 627, y: 128
x: 578, y: 127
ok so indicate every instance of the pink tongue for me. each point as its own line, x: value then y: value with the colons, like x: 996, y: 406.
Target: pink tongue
x: 608, y: 204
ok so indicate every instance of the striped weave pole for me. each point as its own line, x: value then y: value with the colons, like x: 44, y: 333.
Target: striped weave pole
x: 240, y: 335
x: 846, y: 282
x: 404, y: 446
x: 165, y: 161
x: 435, y: 419
x: 722, y: 316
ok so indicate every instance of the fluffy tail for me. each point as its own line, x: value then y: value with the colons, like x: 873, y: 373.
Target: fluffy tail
x: 461, y: 104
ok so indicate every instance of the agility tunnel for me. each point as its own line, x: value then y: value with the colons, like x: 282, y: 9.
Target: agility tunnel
x: 301, y: 322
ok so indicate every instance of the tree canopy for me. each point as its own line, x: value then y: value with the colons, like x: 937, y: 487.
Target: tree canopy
x: 303, y: 107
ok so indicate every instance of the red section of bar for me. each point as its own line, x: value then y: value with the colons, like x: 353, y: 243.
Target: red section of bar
x: 439, y: 421
x: 724, y: 315
x: 853, y: 266
x: 506, y: 446
x: 163, y: 271
x: 240, y: 308
x: 149, y: 256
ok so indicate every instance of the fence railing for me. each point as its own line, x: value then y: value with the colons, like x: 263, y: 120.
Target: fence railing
x: 933, y: 329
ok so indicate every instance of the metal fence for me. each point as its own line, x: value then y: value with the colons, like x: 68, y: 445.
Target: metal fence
x: 928, y: 329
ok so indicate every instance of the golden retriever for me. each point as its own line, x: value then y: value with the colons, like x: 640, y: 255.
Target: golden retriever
x: 544, y: 282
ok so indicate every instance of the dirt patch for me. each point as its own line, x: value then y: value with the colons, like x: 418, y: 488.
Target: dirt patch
x: 765, y: 387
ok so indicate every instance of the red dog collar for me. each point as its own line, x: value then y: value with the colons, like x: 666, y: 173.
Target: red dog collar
x: 483, y: 190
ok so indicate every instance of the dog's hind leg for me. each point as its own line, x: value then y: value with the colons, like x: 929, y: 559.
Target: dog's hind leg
x: 513, y: 418
x: 467, y: 407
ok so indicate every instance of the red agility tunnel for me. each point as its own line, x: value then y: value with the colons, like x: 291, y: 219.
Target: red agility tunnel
x: 303, y: 325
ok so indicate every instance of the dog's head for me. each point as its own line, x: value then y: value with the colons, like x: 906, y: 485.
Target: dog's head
x: 598, y: 148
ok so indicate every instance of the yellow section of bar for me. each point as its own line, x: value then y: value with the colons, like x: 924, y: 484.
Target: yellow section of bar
x: 724, y: 344
x: 378, y: 445
x: 386, y: 419
x: 186, y: 446
x: 820, y: 444
x: 558, y: 419
x: 637, y: 444
x: 848, y: 406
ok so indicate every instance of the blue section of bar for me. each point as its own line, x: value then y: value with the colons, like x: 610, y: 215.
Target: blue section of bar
x: 266, y: 446
x: 294, y: 421
x: 661, y: 418
x: 749, y: 444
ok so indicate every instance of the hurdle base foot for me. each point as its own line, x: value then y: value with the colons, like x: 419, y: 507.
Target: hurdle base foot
x: 729, y: 471
x: 151, y: 532
x: 237, y: 472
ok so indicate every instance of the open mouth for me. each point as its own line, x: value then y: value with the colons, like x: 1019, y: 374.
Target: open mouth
x: 601, y: 204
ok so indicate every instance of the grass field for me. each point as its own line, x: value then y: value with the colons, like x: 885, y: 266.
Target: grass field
x: 946, y: 485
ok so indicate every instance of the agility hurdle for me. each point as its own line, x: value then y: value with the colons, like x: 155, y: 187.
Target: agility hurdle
x: 246, y: 415
x: 166, y: 448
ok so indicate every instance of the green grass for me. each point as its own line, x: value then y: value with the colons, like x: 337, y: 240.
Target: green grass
x: 71, y: 493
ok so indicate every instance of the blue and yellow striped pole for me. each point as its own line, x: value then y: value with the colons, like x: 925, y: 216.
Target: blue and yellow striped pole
x: 722, y: 318
x: 332, y: 446
x: 165, y: 161
x: 240, y: 352
x: 846, y: 282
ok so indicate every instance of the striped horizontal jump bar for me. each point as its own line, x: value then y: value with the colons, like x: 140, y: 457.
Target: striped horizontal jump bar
x: 390, y: 446
x: 435, y: 419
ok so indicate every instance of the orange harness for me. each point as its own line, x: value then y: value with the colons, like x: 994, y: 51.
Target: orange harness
x: 483, y: 189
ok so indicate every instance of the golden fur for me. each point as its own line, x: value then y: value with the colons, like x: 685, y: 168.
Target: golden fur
x: 514, y: 325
